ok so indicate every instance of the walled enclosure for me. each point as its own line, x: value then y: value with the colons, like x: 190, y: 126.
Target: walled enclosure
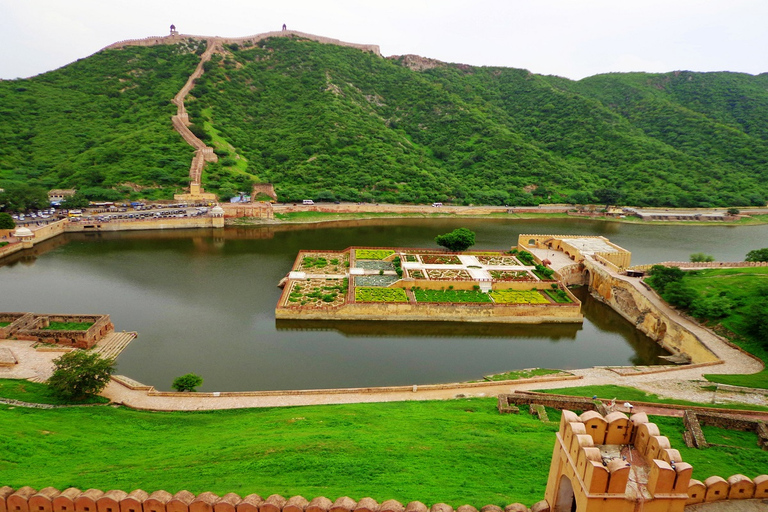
x: 32, y: 327
x: 426, y: 311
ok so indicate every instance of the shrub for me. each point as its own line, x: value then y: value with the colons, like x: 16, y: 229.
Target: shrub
x: 699, y: 257
x: 187, y: 382
x: 757, y: 255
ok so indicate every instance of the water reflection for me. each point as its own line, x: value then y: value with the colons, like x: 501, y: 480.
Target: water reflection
x: 393, y: 329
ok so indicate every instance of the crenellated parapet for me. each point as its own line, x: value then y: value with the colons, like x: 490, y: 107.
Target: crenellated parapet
x: 50, y: 499
x: 610, y: 462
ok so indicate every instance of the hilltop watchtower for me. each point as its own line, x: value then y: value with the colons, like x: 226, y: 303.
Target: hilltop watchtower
x: 614, y: 463
x: 174, y: 32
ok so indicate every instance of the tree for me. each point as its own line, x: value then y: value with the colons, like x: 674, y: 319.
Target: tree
x: 733, y: 211
x: 6, y: 221
x: 757, y: 255
x: 700, y: 257
x: 187, y: 382
x: 608, y: 196
x: 457, y: 240
x: 76, y: 201
x: 19, y: 197
x: 79, y: 374
x: 659, y: 277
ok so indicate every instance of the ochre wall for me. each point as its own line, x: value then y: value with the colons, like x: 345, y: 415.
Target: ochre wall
x: 636, y: 308
x: 523, y: 313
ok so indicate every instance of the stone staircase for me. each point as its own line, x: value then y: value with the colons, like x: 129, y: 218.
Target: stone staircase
x: 114, y: 343
x: 181, y: 121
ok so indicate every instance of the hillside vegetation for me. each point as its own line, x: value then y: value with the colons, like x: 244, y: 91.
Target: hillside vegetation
x: 328, y: 122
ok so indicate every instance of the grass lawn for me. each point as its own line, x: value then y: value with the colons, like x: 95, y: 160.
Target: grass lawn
x: 629, y: 394
x: 744, y: 287
x: 457, y: 451
x: 377, y: 294
x: 36, y: 393
x: 69, y: 326
x: 520, y: 374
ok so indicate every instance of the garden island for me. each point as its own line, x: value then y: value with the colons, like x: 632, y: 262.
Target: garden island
x: 424, y: 285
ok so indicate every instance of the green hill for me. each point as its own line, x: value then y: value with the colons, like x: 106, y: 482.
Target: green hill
x: 329, y: 122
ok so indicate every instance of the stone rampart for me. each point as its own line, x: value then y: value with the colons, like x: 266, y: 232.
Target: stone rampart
x: 50, y: 499
x: 152, y: 41
x: 703, y: 264
x: 645, y: 315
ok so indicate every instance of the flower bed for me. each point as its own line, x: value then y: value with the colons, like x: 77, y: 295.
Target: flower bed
x: 374, y: 265
x: 459, y: 274
x: 559, y: 296
x: 324, y: 263
x: 498, y: 260
x: 380, y: 295
x: 439, y: 259
x: 318, y: 293
x: 372, y: 254
x: 415, y: 274
x: 518, y: 297
x: 510, y: 275
x: 375, y: 280
x: 470, y: 296
x: 410, y: 258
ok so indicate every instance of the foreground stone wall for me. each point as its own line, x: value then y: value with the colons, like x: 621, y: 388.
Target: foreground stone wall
x: 50, y: 499
x: 161, y: 223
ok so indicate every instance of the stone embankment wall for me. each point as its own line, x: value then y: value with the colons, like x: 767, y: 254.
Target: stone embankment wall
x: 161, y: 223
x: 50, y: 499
x: 703, y: 264
x: 647, y: 317
x: 516, y: 313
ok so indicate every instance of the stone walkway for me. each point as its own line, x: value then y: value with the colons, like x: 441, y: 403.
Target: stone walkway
x: 681, y: 382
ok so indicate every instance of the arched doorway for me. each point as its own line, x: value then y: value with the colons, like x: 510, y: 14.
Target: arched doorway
x: 566, y: 501
x: 587, y: 278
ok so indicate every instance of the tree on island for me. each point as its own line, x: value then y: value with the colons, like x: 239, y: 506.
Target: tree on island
x: 187, y: 382
x: 700, y: 257
x: 757, y: 255
x: 457, y: 240
x: 6, y: 221
x: 78, y: 375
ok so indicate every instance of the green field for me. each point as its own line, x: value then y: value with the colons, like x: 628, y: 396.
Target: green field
x: 740, y: 291
x: 427, y: 451
x: 456, y: 451
x: 518, y: 297
x: 373, y: 254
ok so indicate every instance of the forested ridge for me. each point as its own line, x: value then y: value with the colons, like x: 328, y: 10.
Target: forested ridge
x: 327, y: 122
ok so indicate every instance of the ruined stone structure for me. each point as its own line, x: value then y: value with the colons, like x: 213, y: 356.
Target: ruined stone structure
x: 33, y: 327
x: 264, y: 189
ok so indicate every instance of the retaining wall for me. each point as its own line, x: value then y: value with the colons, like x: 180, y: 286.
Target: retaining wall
x: 647, y: 317
x: 508, y: 313
x: 161, y: 223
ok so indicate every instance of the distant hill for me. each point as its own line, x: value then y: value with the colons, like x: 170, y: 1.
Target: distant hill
x: 328, y: 122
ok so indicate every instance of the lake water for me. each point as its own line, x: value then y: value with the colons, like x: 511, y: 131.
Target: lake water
x: 203, y: 301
